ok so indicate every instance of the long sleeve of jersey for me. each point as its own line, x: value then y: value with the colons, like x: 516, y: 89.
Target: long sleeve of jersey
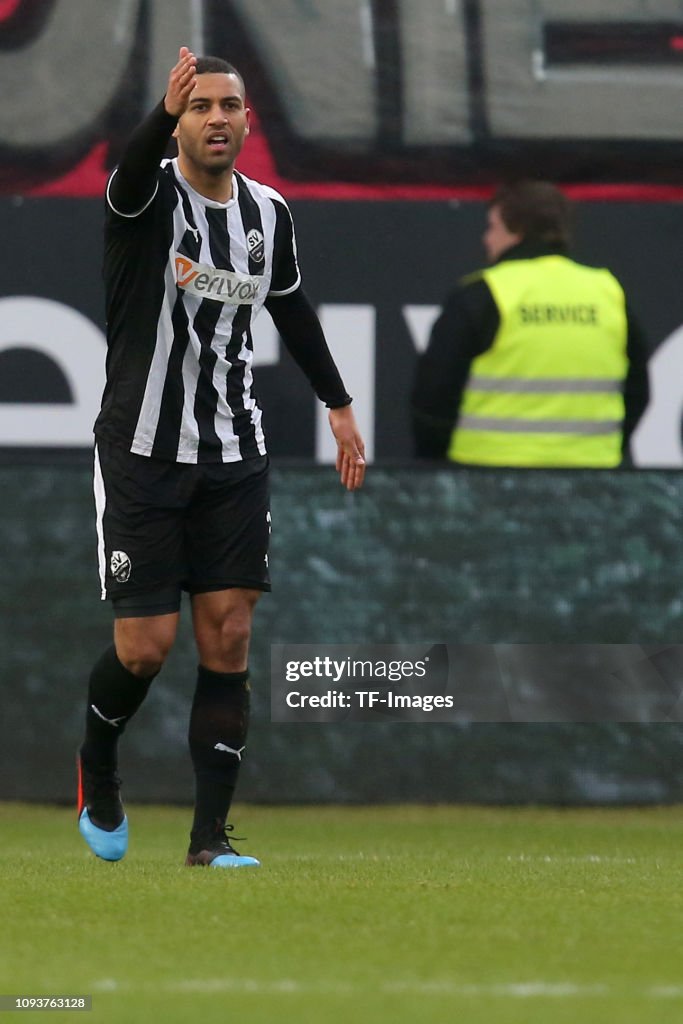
x: 637, y: 384
x: 465, y: 329
x: 134, y: 182
x: 302, y: 333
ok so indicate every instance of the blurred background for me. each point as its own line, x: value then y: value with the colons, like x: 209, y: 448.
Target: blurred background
x: 386, y: 124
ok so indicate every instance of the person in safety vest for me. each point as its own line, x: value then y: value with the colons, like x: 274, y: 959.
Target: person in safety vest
x: 537, y: 360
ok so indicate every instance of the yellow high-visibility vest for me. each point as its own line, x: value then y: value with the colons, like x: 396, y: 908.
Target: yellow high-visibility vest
x: 549, y: 391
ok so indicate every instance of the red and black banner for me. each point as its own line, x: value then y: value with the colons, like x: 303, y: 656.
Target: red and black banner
x: 382, y: 99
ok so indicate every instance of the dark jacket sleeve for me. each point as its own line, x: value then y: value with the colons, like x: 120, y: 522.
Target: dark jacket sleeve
x: 134, y: 182
x: 302, y: 333
x: 464, y: 330
x: 636, y: 384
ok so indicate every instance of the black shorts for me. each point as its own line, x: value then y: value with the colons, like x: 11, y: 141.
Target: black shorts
x: 164, y: 527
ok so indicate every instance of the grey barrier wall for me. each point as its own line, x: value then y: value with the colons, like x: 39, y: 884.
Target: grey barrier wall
x: 423, y: 556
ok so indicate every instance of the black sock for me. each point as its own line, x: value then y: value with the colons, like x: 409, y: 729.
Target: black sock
x: 114, y: 695
x: 218, y: 731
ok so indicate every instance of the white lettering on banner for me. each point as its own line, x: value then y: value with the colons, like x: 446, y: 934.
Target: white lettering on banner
x: 350, y: 333
x: 657, y: 439
x: 169, y: 21
x: 526, y: 98
x: 78, y: 348
x: 75, y: 104
x: 420, y: 320
x: 266, y: 340
x: 521, y: 92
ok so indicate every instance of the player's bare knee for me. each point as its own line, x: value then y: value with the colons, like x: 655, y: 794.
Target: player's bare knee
x: 142, y: 650
x: 143, y: 661
x: 235, y: 634
x: 223, y: 634
x: 226, y: 638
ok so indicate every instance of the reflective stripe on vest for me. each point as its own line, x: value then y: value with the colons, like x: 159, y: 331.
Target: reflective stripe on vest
x: 519, y: 426
x: 545, y: 386
x: 549, y: 390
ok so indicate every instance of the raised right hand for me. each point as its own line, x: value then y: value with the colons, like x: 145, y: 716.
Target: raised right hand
x: 181, y: 82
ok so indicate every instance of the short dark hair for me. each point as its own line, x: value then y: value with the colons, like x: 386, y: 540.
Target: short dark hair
x: 537, y: 210
x: 217, y: 66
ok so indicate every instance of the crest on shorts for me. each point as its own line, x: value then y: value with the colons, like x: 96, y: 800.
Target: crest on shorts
x: 255, y: 245
x: 120, y: 566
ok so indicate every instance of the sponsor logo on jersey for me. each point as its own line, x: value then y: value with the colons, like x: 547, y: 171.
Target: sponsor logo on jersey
x: 210, y: 283
x: 120, y: 566
x: 256, y: 245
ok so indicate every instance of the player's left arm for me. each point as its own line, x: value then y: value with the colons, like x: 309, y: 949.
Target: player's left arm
x: 302, y: 333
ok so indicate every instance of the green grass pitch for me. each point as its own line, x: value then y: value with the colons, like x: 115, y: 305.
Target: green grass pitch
x: 358, y: 915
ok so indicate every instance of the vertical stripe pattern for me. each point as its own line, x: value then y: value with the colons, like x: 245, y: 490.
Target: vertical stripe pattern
x: 199, y: 402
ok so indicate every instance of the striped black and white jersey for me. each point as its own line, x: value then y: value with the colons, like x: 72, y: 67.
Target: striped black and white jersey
x: 184, y: 278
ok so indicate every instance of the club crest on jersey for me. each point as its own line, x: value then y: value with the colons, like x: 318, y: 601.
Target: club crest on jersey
x: 211, y: 283
x: 256, y: 245
x: 120, y: 566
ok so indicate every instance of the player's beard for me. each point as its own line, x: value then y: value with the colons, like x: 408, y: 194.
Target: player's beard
x: 216, y: 169
x: 205, y: 164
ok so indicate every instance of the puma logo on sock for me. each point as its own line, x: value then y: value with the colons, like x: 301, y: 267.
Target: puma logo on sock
x: 110, y: 721
x: 229, y: 750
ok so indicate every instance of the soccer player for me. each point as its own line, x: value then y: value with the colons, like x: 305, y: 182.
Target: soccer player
x: 193, y: 251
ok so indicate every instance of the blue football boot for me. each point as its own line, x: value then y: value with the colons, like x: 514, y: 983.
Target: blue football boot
x: 101, y: 819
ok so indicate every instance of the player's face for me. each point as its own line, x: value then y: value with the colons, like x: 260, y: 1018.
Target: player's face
x: 497, y: 237
x: 211, y: 132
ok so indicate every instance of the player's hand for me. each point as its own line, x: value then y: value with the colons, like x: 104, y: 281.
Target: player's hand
x: 181, y: 82
x: 350, y: 448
